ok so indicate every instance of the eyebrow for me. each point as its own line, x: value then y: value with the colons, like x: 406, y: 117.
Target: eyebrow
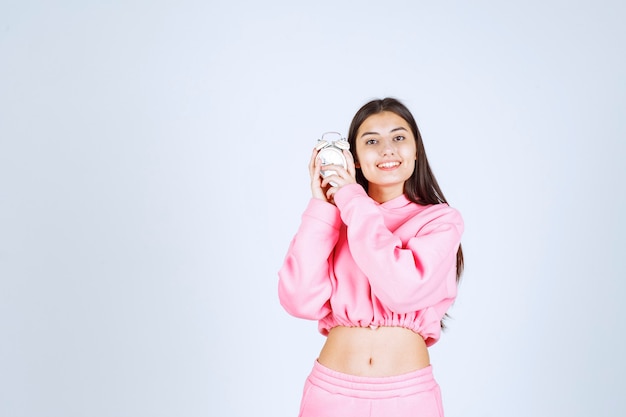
x: 391, y: 131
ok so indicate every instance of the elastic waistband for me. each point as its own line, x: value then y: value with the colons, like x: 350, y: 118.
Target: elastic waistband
x: 372, y: 387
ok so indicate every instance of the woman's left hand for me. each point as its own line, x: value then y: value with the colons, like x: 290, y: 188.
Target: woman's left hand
x: 341, y: 177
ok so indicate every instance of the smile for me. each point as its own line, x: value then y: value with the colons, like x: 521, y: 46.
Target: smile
x: 388, y: 165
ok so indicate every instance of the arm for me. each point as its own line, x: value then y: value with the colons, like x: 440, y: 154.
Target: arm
x: 404, y: 277
x: 304, y: 285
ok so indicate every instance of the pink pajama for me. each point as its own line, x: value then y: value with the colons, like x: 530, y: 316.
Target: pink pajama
x: 330, y: 393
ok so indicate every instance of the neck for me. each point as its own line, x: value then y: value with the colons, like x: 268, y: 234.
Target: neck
x: 383, y: 194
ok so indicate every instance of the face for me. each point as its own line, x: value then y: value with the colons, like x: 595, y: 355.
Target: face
x: 386, y: 152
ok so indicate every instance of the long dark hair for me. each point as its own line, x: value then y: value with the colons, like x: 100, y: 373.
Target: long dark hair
x: 421, y: 187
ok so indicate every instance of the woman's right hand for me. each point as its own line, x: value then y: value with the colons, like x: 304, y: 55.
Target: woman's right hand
x: 315, y: 166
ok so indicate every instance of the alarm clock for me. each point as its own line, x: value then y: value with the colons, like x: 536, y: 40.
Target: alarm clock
x: 330, y: 147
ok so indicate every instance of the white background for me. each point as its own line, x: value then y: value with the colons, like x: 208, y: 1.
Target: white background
x: 153, y: 168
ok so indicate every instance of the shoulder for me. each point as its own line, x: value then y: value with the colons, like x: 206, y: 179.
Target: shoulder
x: 442, y: 209
x: 437, y: 215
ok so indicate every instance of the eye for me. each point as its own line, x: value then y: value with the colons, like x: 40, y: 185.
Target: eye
x: 371, y: 142
x: 399, y: 138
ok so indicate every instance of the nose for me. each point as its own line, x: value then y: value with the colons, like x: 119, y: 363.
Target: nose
x: 388, y: 148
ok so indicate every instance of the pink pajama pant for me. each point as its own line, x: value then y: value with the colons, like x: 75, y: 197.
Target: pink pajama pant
x: 330, y: 393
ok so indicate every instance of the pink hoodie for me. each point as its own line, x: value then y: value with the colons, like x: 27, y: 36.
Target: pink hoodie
x: 361, y: 263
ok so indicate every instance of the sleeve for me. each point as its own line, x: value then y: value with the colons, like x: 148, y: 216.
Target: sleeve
x: 405, y: 277
x: 304, y: 285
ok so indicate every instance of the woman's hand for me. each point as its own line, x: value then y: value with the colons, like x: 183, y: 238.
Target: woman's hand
x: 325, y: 188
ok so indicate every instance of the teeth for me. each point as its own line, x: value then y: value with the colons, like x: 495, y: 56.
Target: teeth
x: 388, y: 164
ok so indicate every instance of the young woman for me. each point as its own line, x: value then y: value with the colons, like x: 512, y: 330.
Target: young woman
x: 376, y: 260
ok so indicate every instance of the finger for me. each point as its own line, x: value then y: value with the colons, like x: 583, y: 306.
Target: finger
x: 313, y: 161
x: 350, y: 162
x: 317, y: 168
x: 336, y: 169
x: 331, y: 181
x: 330, y: 194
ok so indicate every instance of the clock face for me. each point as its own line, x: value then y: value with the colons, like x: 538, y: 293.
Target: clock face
x: 331, y: 156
